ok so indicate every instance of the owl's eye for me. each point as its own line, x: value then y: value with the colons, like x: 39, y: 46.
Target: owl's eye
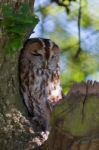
x: 53, y: 57
x: 36, y: 54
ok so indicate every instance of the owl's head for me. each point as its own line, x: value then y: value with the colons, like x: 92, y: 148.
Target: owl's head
x: 43, y: 53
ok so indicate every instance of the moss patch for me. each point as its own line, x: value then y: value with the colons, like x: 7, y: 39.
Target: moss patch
x: 76, y: 118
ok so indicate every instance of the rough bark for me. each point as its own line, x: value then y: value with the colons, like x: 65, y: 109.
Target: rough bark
x: 16, y: 129
x: 75, y: 123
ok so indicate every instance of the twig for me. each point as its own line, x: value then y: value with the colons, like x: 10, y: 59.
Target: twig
x: 82, y: 41
x: 79, y: 28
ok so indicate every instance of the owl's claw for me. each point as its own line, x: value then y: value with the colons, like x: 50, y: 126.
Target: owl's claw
x: 49, y: 106
x: 41, y: 123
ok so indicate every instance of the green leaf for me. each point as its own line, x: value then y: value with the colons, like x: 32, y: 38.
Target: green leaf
x: 35, y: 21
x: 15, y: 44
x: 7, y: 11
x: 17, y: 24
x: 24, y: 9
x: 18, y: 29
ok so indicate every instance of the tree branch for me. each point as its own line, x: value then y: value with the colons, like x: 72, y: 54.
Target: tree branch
x: 82, y: 41
x: 31, y: 4
x: 68, y: 131
x: 79, y: 28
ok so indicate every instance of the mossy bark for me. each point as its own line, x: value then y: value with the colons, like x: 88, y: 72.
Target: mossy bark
x: 75, y: 122
x: 16, y: 130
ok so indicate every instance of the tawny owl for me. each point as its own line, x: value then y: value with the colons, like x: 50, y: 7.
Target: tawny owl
x: 39, y: 75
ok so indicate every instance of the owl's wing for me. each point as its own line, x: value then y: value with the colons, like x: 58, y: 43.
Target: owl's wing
x: 24, y: 71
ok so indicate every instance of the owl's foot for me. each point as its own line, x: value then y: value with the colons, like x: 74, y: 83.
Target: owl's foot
x: 41, y: 124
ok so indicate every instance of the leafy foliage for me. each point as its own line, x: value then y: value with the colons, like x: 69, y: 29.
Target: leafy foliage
x: 17, y: 24
x: 64, y: 31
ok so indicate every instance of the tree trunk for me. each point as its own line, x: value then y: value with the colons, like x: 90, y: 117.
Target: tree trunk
x: 16, y: 131
x: 75, y: 123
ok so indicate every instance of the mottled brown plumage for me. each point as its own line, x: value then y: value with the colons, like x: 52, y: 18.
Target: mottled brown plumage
x: 39, y: 76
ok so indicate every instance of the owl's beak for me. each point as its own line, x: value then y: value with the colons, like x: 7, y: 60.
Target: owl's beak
x: 46, y: 65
